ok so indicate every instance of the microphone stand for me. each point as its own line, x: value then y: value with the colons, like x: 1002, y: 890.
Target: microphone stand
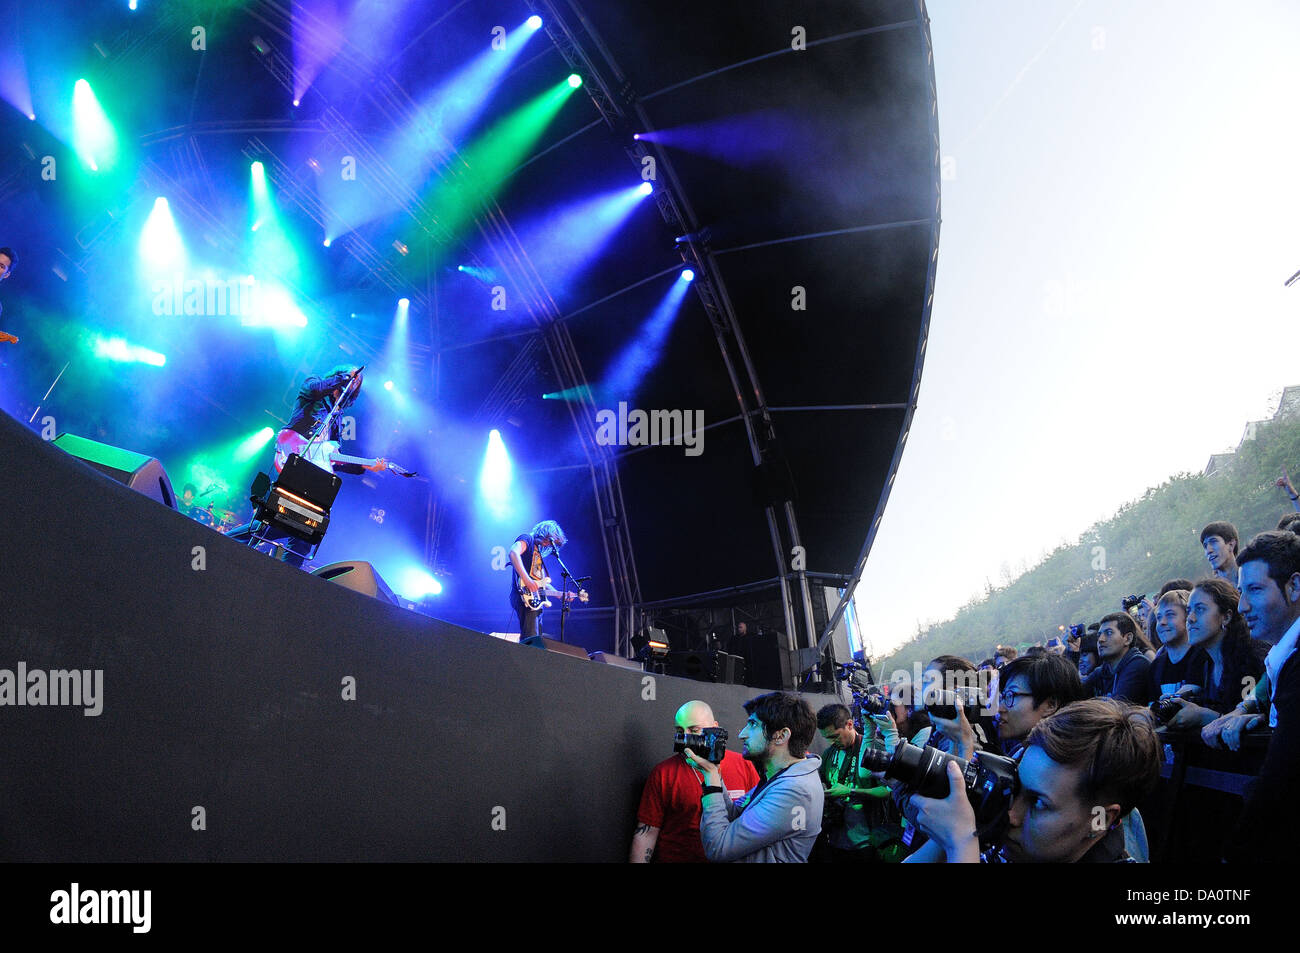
x: 329, y: 418
x: 565, y: 576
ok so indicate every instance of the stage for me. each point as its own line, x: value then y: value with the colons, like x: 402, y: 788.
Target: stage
x: 252, y: 712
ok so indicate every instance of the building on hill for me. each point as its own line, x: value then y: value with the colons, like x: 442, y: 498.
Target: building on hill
x: 1287, y: 406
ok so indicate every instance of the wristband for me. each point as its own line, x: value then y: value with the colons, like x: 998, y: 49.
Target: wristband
x: 710, y: 789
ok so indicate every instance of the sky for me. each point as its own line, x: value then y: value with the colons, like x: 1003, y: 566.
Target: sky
x: 1120, y: 212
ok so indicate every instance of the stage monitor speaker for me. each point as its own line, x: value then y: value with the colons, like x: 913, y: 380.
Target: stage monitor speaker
x: 731, y: 669
x: 618, y: 660
x: 771, y: 664
x: 550, y: 645
x: 359, y: 577
x: 707, y: 667
x: 142, y: 474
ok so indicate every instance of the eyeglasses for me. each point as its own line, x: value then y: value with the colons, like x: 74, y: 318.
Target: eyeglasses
x: 1010, y: 695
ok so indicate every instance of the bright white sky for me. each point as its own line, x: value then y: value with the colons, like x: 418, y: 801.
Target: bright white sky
x: 1109, y: 307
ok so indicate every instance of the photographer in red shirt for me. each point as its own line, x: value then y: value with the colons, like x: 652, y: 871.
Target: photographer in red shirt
x: 668, y: 820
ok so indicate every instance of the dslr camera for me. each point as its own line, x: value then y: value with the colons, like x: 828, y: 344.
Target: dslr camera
x: 868, y: 699
x: 1128, y: 602
x: 944, y: 704
x: 992, y: 782
x: 710, y: 744
x: 1163, y: 709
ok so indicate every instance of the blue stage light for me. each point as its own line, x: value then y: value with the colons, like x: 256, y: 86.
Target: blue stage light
x: 645, y: 188
x: 415, y: 582
x: 688, y: 275
x: 534, y: 22
x: 161, y: 248
x: 495, y: 478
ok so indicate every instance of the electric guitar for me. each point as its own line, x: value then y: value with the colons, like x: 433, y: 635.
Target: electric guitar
x: 8, y: 338
x: 536, y: 601
x: 325, y: 453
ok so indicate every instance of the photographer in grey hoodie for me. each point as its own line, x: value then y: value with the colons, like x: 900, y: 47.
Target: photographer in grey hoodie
x: 779, y: 820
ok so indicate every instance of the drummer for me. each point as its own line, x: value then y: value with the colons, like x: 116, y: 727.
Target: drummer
x: 189, y: 506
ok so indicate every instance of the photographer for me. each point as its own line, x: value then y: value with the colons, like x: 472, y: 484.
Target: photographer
x: 668, y: 819
x: 960, y: 729
x: 779, y: 820
x: 1033, y: 689
x: 1083, y: 770
x: 952, y: 698
x: 859, y: 824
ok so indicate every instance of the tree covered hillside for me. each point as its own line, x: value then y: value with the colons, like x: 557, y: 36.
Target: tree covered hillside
x: 1148, y: 541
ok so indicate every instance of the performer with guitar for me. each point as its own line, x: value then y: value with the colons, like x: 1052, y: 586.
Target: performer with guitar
x: 315, y: 423
x: 314, y: 433
x: 7, y: 259
x: 530, y: 583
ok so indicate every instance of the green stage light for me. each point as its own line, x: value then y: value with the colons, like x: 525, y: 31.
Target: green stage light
x: 271, y: 246
x: 492, y: 157
x: 581, y: 392
x: 93, y: 137
x: 251, y: 446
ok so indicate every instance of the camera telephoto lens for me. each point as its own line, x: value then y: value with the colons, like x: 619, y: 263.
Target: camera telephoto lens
x: 991, y: 780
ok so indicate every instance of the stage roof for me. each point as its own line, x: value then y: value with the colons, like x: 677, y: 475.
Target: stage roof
x: 796, y: 168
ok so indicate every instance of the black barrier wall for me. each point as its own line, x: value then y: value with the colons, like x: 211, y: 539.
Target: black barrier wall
x: 248, y: 711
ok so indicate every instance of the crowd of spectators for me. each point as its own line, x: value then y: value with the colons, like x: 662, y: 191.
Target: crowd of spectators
x: 1050, y: 752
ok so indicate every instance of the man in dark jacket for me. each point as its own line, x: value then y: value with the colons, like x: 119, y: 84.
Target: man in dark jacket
x: 1269, y: 575
x: 1124, y: 671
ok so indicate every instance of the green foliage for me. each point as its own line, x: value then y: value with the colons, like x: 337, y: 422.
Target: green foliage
x: 1146, y: 543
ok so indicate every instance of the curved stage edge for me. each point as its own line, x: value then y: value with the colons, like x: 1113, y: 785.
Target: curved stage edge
x: 225, y: 734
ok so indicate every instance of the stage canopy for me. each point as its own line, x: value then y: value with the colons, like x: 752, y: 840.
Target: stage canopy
x: 534, y: 193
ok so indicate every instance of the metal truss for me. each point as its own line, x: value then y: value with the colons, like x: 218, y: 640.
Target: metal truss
x: 923, y: 23
x: 624, y: 115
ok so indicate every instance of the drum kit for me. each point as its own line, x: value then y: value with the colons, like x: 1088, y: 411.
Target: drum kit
x: 217, y: 514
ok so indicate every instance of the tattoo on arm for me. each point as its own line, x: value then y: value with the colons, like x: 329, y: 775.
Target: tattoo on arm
x: 649, y: 853
x: 643, y: 829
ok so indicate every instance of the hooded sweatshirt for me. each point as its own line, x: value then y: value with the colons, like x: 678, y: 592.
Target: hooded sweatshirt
x: 776, y: 822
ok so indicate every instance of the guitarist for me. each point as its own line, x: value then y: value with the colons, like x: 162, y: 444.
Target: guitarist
x: 7, y: 259
x: 530, y: 575
x: 316, y: 398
